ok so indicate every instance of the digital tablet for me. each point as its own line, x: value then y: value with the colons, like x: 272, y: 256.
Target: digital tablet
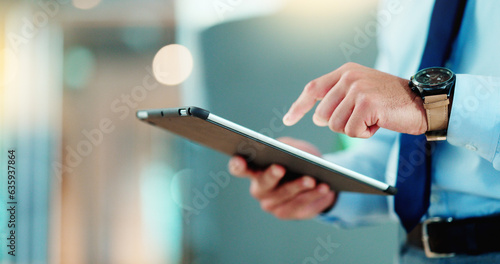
x: 260, y: 151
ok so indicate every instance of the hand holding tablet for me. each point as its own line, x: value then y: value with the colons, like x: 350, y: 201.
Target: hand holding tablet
x: 301, y: 198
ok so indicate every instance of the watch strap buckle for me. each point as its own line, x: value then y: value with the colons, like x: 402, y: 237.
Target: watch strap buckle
x: 436, y: 135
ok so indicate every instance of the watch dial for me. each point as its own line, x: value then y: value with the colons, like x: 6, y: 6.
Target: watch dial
x: 433, y: 76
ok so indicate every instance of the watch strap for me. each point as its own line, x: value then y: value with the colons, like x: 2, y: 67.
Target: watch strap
x: 436, y: 108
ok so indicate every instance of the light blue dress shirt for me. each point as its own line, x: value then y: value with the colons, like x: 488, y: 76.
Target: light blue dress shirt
x: 465, y: 167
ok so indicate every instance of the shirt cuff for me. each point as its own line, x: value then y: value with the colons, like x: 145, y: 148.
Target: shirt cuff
x: 356, y: 209
x: 369, y: 158
x: 475, y: 116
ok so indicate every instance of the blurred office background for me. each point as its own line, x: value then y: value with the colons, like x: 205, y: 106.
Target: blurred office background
x: 95, y: 185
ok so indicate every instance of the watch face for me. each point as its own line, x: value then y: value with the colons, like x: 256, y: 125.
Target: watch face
x: 433, y: 76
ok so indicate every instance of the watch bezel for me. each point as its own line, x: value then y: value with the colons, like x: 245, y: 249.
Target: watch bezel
x: 423, y: 89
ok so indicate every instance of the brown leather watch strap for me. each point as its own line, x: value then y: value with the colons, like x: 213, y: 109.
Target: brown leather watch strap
x: 436, y: 108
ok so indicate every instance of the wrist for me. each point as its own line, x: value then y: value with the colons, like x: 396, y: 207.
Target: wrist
x: 417, y: 103
x: 435, y: 87
x: 424, y: 125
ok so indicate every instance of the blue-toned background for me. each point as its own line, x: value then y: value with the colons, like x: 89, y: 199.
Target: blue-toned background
x: 95, y: 185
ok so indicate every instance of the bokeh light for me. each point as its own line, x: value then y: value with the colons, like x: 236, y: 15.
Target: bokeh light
x: 85, y: 4
x: 172, y: 64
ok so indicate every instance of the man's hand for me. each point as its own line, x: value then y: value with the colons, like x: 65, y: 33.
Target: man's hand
x: 357, y: 101
x: 299, y: 199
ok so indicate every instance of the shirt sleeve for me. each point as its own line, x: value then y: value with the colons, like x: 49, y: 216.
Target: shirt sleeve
x: 368, y: 158
x: 475, y: 116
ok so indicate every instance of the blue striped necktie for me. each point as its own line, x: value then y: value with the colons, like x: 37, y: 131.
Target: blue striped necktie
x: 414, y: 178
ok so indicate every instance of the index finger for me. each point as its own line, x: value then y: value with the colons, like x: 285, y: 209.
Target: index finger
x: 300, y: 107
x: 314, y: 91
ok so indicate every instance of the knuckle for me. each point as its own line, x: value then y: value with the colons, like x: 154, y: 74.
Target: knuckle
x: 356, y: 87
x: 349, y: 76
x: 364, y: 102
x: 352, y: 76
x: 349, y: 65
x: 335, y: 126
x: 359, y: 87
x: 362, y: 95
x: 349, y: 131
x: 311, y: 87
x: 320, y: 119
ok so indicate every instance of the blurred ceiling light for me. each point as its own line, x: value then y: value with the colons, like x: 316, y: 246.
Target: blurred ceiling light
x: 321, y: 8
x: 85, y: 4
x: 79, y: 64
x: 172, y: 64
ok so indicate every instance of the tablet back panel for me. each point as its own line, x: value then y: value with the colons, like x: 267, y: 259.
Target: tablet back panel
x: 198, y: 125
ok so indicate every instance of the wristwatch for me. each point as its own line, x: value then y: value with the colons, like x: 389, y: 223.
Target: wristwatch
x: 435, y: 85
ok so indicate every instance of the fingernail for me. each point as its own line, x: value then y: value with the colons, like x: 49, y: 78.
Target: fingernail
x: 235, y: 166
x: 323, y: 189
x: 287, y: 119
x: 308, y: 182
